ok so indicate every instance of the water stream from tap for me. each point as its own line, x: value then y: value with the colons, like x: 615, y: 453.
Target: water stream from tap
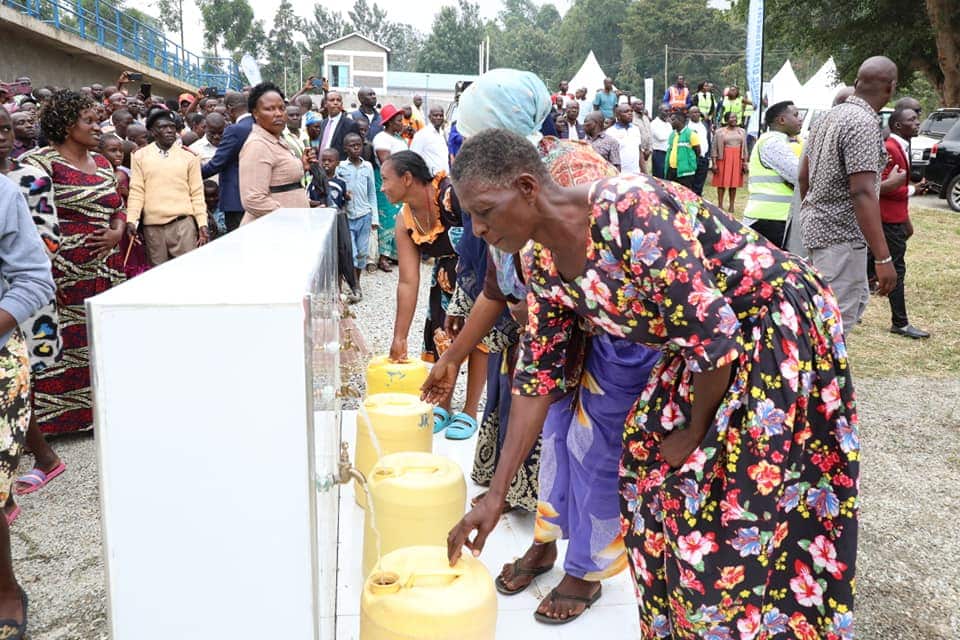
x: 371, y: 512
x: 362, y: 413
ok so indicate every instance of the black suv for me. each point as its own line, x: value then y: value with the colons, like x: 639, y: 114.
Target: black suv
x: 933, y: 128
x: 940, y: 122
x: 943, y: 172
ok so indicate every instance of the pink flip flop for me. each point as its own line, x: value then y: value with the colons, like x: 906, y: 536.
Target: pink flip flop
x: 37, y: 479
x: 13, y: 515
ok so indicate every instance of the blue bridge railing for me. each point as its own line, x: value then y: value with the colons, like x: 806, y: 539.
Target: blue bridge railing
x: 132, y: 35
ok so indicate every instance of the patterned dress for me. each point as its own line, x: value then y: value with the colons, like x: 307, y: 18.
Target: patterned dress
x: 569, y: 162
x: 575, y: 480
x: 42, y: 330
x: 85, y: 203
x: 755, y: 535
x: 14, y: 408
x: 438, y: 243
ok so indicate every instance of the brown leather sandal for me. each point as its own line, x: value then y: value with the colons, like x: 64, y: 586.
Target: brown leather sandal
x: 519, y: 571
x: 555, y: 595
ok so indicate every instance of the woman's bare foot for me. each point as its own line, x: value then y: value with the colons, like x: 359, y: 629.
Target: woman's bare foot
x: 559, y: 607
x: 536, y: 557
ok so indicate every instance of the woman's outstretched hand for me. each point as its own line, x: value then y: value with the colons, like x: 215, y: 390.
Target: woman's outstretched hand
x: 440, y: 381
x: 483, y: 518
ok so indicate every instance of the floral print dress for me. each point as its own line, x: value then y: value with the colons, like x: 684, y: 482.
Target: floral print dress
x: 755, y: 536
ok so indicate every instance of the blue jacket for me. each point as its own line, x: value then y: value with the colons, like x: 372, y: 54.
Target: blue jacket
x: 226, y: 162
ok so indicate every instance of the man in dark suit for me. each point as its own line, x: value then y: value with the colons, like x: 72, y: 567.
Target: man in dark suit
x: 335, y: 126
x: 226, y: 161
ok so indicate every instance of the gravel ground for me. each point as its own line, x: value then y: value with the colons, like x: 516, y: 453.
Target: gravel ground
x: 909, y: 577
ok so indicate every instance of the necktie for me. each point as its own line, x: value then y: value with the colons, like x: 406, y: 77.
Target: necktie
x: 328, y: 134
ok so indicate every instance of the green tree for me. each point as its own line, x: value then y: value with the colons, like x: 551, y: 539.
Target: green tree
x: 452, y: 44
x: 325, y: 26
x: 548, y: 18
x: 171, y: 16
x: 918, y: 36
x: 688, y: 27
x: 227, y: 22
x: 282, y: 49
x: 370, y: 20
x: 595, y: 25
x: 253, y: 43
x: 523, y: 37
x: 404, y: 42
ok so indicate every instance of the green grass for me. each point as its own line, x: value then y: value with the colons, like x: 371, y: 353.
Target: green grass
x: 933, y: 304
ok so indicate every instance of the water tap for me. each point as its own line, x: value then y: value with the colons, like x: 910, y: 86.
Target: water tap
x: 345, y: 470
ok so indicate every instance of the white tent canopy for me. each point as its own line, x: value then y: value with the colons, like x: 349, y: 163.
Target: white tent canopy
x: 818, y: 91
x: 590, y: 75
x: 783, y: 86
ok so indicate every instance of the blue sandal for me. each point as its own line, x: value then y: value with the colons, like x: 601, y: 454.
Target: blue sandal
x: 461, y: 427
x: 441, y: 419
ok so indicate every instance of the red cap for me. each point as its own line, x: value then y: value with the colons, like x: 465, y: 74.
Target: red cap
x: 388, y: 112
x: 187, y: 97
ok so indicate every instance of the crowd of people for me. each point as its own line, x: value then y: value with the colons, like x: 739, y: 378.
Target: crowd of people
x: 667, y: 387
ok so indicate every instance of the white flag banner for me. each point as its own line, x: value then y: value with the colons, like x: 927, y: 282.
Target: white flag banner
x: 755, y: 61
x: 648, y: 97
x: 250, y: 69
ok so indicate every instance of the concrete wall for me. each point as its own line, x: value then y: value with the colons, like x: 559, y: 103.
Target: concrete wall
x: 55, y: 57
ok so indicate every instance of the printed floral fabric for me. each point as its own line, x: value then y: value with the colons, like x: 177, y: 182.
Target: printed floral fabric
x: 582, y: 443
x: 754, y: 536
x: 42, y: 329
x: 14, y: 408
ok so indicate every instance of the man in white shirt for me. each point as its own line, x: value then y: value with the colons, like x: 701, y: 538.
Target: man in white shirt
x: 628, y: 135
x: 703, y: 160
x: 431, y: 144
x: 206, y: 147
x: 660, y: 130
x: 586, y: 105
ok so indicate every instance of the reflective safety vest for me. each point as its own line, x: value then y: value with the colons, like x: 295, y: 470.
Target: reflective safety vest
x: 686, y: 156
x: 770, y: 194
x: 678, y: 97
x: 705, y: 103
x: 733, y: 106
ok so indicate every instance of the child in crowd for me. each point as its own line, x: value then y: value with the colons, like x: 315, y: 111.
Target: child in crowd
x: 111, y: 146
x: 129, y: 146
x: 336, y: 187
x: 362, y: 210
x: 138, y: 134
x: 216, y: 222
x: 131, y: 247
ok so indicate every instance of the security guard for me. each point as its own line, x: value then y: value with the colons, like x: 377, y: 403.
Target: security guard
x: 774, y: 164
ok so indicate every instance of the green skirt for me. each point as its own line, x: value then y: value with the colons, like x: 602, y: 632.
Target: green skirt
x: 388, y: 221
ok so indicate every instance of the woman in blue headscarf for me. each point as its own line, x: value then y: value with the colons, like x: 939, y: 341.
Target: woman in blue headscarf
x: 577, y: 497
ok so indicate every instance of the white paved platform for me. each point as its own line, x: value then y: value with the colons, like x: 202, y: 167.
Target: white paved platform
x: 613, y: 617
